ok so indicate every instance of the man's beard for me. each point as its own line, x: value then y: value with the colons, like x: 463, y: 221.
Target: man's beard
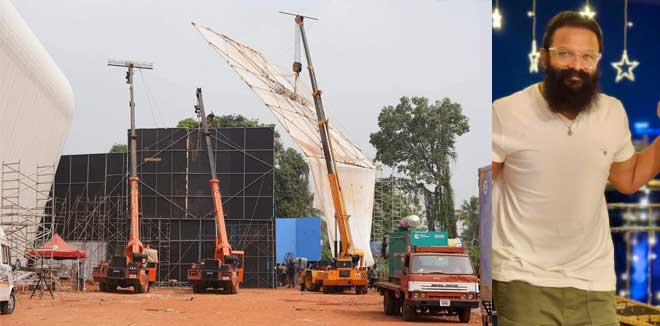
x: 566, y: 95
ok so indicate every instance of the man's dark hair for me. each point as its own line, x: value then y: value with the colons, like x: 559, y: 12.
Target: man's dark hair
x: 571, y: 19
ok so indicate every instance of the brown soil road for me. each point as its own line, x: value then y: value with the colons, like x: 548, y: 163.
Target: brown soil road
x: 177, y: 307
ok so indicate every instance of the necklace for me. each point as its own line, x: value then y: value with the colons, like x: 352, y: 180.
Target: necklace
x: 563, y: 119
x: 569, y: 126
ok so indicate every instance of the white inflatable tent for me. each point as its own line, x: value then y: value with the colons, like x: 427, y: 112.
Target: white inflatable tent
x: 36, y: 110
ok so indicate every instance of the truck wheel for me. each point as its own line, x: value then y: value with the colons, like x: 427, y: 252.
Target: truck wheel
x: 7, y: 307
x: 326, y: 289
x: 138, y: 288
x: 389, y: 303
x: 464, y: 315
x: 308, y: 283
x: 409, y: 313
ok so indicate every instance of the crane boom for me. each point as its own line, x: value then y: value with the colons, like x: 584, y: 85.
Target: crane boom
x: 222, y: 246
x: 347, y: 248
x: 134, y: 244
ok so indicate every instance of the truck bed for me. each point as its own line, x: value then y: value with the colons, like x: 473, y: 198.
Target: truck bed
x: 385, y: 284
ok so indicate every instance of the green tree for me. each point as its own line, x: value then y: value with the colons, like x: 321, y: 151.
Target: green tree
x: 418, y: 138
x: 326, y: 252
x: 188, y: 123
x: 119, y: 148
x: 293, y: 198
x: 291, y: 174
x: 469, y: 215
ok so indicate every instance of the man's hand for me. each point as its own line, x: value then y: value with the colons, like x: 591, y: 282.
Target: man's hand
x: 628, y: 176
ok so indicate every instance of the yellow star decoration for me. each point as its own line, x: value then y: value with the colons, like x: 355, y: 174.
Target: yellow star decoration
x: 587, y: 12
x: 534, y: 56
x: 624, y: 68
x: 497, y: 19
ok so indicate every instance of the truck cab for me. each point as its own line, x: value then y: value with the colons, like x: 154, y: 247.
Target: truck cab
x: 213, y: 273
x: 427, y: 275
x: 7, y: 293
x: 439, y: 281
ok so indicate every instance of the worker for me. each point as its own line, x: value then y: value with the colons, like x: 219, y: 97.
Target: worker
x: 81, y: 274
x: 152, y: 255
x: 291, y: 273
x: 555, y: 145
x: 372, y: 276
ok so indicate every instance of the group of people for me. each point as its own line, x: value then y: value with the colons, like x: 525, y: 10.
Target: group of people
x: 287, y: 274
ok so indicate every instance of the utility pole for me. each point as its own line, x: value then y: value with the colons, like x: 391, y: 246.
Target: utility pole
x: 134, y: 243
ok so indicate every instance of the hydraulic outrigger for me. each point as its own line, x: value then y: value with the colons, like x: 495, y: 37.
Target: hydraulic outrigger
x: 225, y: 269
x: 349, y: 269
x: 129, y: 270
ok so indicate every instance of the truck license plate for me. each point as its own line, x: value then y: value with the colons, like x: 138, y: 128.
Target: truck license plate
x: 132, y: 276
x: 445, y: 303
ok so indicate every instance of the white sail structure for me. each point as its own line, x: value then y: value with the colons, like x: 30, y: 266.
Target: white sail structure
x: 36, y: 111
x: 291, y: 103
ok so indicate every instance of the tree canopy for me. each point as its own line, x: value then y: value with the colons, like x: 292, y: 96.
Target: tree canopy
x: 119, y: 148
x: 417, y: 138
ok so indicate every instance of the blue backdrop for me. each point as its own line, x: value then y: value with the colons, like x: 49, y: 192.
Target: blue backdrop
x: 512, y: 43
x: 300, y: 236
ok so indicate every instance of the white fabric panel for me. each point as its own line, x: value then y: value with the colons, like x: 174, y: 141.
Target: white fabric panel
x: 292, y: 104
x: 357, y: 185
x: 36, y: 100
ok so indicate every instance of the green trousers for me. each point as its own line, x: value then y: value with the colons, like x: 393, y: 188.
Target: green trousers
x: 522, y: 304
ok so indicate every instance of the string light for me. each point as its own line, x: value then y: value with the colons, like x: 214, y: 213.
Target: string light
x: 534, y: 54
x: 587, y: 12
x: 497, y: 16
x: 624, y: 67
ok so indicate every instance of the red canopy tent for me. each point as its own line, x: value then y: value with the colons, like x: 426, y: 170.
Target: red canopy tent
x: 57, y: 248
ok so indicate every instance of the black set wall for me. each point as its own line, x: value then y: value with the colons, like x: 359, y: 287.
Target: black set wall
x: 175, y: 201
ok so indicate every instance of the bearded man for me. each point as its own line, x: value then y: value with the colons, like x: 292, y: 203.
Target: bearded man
x: 555, y: 146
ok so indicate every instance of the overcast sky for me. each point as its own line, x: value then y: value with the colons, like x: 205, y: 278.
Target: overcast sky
x: 367, y: 54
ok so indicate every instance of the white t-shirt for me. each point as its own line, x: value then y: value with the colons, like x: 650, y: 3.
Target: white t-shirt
x: 550, y: 220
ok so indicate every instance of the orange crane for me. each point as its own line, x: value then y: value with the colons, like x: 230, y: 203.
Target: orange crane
x: 129, y: 270
x: 349, y: 270
x: 225, y: 270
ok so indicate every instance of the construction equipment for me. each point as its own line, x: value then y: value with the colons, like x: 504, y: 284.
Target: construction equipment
x: 225, y: 270
x: 7, y: 292
x: 348, y: 270
x: 130, y: 269
x: 427, y: 276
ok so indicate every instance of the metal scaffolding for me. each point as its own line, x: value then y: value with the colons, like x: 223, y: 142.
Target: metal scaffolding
x: 25, y: 204
x: 389, y: 205
x: 92, y: 206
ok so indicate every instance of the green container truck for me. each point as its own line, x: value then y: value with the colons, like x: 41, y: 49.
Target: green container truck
x: 400, y: 240
x: 426, y: 276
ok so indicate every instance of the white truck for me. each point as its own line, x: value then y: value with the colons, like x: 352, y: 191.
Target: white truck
x: 7, y: 296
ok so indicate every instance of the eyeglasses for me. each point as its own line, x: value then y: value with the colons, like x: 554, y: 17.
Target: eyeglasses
x: 566, y: 56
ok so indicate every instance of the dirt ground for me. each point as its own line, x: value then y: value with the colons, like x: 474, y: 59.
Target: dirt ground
x: 179, y: 306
